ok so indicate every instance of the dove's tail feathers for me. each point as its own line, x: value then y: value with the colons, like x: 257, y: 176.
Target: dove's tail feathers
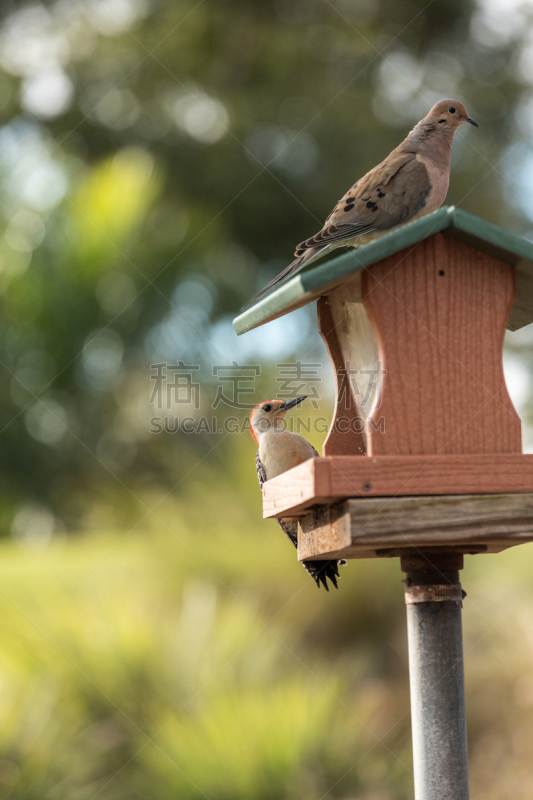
x: 292, y: 267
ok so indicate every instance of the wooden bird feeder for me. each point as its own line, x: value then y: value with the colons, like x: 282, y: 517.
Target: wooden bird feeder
x: 433, y: 468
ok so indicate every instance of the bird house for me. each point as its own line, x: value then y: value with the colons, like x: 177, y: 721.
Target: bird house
x: 425, y: 448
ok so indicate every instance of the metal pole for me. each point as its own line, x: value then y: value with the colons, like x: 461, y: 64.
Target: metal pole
x: 433, y: 595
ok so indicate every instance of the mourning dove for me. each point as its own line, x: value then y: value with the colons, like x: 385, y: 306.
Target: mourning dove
x: 411, y: 182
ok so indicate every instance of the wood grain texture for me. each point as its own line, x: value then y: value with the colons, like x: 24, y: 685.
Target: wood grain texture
x: 366, y: 528
x: 346, y: 433
x: 323, y: 480
x: 298, y: 488
x: 440, y: 310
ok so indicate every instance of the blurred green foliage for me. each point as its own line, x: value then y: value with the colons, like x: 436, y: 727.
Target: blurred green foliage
x: 174, y: 663
x: 159, y: 161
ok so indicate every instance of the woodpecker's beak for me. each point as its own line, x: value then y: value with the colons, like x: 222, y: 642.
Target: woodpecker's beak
x: 471, y: 121
x: 291, y: 403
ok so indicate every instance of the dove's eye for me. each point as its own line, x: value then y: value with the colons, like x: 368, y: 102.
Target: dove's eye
x: 452, y: 109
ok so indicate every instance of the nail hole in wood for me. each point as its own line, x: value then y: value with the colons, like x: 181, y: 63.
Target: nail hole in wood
x: 441, y: 272
x: 367, y: 487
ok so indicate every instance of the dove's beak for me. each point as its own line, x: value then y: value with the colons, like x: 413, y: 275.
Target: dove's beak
x: 471, y: 121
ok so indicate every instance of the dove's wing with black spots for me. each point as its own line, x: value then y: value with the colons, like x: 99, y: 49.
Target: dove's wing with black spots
x: 392, y: 193
x: 411, y: 181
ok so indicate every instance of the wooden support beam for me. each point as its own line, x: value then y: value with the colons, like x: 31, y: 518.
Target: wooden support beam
x: 325, y: 480
x: 398, y: 526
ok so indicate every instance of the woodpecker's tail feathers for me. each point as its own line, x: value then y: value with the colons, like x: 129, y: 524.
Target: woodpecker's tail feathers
x: 320, y: 571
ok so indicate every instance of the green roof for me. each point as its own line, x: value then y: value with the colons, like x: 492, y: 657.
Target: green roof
x: 308, y: 284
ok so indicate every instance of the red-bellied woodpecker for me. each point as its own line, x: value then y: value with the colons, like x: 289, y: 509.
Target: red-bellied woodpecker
x: 280, y: 450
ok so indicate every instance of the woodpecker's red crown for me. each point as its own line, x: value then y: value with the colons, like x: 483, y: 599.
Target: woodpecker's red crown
x: 267, y: 413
